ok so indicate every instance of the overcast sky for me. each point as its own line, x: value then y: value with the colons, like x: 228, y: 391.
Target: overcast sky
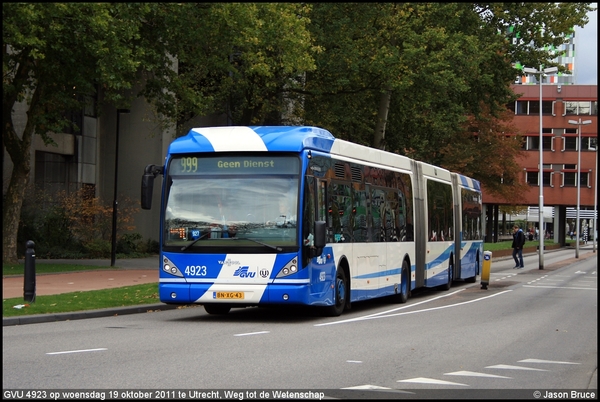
x: 586, y: 51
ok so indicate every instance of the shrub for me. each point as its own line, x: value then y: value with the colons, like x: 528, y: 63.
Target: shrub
x: 77, y: 224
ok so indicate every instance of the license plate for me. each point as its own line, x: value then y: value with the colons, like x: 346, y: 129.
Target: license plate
x: 229, y: 295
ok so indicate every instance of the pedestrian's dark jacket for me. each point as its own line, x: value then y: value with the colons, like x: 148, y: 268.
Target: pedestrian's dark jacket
x: 518, y: 239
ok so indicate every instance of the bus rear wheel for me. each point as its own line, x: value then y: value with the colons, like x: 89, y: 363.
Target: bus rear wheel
x: 448, y: 285
x: 217, y: 308
x: 402, y: 295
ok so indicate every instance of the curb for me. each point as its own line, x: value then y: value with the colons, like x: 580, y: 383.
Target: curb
x: 79, y: 315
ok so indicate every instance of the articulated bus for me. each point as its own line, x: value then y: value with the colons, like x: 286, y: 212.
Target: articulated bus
x: 269, y: 215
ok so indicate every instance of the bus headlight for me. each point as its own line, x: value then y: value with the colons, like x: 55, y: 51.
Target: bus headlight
x: 170, y: 268
x: 289, y: 269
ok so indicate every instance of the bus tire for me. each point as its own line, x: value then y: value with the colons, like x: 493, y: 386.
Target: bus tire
x: 402, y: 295
x: 219, y: 309
x: 448, y: 284
x: 340, y: 293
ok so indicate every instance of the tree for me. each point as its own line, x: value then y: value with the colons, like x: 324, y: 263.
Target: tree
x: 234, y: 58
x: 240, y: 59
x: 54, y: 55
x: 410, y: 77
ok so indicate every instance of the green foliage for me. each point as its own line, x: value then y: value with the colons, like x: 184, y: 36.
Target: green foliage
x: 98, y: 248
x: 437, y: 75
x: 78, y: 225
x: 129, y: 243
x: 47, y: 224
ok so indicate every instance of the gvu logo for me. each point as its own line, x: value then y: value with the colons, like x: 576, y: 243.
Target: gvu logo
x: 242, y: 272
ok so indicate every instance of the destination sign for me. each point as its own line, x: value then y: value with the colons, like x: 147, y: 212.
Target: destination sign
x: 195, y: 165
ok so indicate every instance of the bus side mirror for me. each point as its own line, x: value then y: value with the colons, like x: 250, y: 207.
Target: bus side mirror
x: 320, y: 237
x: 148, y: 184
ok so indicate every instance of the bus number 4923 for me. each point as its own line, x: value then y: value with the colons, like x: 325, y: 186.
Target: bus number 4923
x: 195, y: 270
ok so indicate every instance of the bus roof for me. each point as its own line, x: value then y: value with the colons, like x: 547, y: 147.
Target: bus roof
x: 290, y: 139
x: 258, y: 138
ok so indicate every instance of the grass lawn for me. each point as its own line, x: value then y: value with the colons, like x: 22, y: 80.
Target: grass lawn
x: 81, y: 301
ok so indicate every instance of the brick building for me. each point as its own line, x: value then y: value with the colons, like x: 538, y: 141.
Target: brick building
x: 561, y: 144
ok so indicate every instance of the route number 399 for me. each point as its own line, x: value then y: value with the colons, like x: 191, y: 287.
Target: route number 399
x: 195, y: 270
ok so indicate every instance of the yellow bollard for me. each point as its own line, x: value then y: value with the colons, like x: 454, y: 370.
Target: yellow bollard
x: 485, y: 272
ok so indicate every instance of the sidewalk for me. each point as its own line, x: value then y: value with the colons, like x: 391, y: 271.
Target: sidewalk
x: 134, y: 271
x: 126, y: 272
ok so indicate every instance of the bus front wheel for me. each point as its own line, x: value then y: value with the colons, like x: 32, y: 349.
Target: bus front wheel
x: 340, y: 293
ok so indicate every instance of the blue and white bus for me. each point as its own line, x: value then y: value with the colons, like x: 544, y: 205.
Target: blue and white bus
x: 254, y: 216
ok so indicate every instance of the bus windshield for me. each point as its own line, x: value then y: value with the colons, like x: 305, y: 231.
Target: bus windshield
x: 212, y: 201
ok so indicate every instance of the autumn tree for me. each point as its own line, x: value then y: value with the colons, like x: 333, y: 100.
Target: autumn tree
x: 409, y: 77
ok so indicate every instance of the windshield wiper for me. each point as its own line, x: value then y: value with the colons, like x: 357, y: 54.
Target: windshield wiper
x: 194, y: 242
x: 259, y: 242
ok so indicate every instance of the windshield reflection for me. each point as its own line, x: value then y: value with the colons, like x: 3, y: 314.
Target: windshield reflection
x: 209, y: 211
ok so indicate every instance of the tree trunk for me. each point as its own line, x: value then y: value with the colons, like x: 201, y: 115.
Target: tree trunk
x: 13, y: 202
x: 19, y: 151
x: 382, y: 114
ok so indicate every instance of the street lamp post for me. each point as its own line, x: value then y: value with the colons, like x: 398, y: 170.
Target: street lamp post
x: 113, y: 252
x: 596, y: 198
x: 579, y: 124
x: 541, y: 72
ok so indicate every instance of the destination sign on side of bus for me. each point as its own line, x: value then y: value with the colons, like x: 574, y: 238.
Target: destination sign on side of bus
x: 184, y: 165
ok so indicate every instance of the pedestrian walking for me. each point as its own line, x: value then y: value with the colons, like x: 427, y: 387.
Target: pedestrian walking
x: 517, y: 246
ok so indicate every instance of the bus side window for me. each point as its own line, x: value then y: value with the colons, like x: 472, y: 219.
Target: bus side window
x: 309, y: 211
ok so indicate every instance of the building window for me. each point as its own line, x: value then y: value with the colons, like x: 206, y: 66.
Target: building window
x: 75, y: 122
x: 533, y: 107
x: 584, y: 108
x: 589, y: 143
x: 532, y: 178
x: 54, y: 174
x: 570, y: 143
x: 533, y: 142
x: 90, y: 106
x: 584, y: 179
x: 522, y: 107
x: 569, y: 179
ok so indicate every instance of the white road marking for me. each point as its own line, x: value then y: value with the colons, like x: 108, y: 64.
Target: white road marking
x: 475, y: 374
x: 544, y: 361
x: 388, y: 315
x: 253, y: 333
x: 367, y: 386
x: 423, y: 380
x: 509, y: 367
x: 76, y: 351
